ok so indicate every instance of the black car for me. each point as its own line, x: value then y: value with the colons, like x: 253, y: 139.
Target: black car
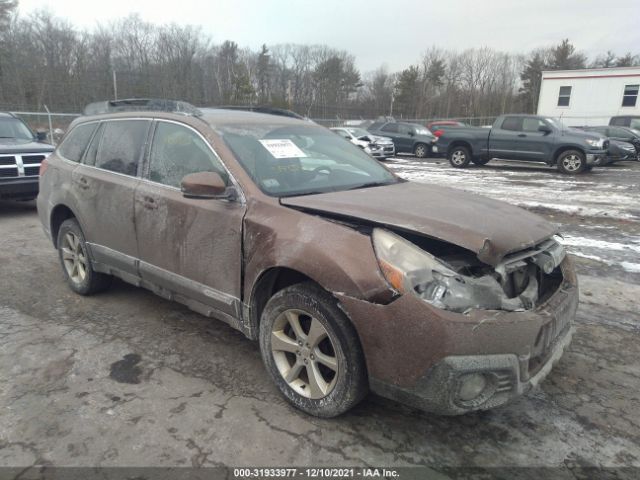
x: 407, y: 137
x: 21, y: 152
x: 619, y: 151
x: 621, y: 134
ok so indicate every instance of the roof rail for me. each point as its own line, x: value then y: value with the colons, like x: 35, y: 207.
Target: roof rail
x: 141, y: 104
x: 264, y: 109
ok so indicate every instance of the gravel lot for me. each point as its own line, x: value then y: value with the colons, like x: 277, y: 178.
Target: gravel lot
x: 128, y: 379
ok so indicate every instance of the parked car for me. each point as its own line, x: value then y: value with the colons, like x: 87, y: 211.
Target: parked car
x: 525, y: 137
x: 303, y: 242
x: 376, y: 146
x: 618, y: 149
x: 621, y: 134
x: 631, y: 121
x: 440, y: 126
x: 407, y: 137
x: 21, y: 152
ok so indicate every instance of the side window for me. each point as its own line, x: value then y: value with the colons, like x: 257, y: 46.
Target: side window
x: 177, y: 151
x: 512, y: 123
x: 121, y: 146
x: 620, y: 121
x: 630, y: 95
x: 390, y: 127
x: 76, y: 142
x: 404, y: 129
x: 531, y: 124
x: 564, y: 96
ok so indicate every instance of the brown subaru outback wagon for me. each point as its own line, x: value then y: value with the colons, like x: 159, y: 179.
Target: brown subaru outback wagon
x: 350, y: 277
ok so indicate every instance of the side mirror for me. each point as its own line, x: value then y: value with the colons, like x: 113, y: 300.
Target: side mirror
x: 411, y: 133
x: 544, y: 129
x: 41, y: 136
x: 206, y: 185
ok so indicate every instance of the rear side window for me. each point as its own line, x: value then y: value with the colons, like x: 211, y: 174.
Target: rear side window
x: 177, y: 151
x: 76, y: 142
x: 512, y: 123
x: 121, y: 146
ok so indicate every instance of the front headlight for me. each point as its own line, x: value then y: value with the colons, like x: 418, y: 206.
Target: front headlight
x: 409, y: 269
x: 404, y: 265
x: 595, y: 143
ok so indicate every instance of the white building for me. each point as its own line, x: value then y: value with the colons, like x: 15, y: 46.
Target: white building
x: 590, y: 96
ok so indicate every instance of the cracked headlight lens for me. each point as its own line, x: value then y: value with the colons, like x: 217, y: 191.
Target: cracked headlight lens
x: 403, y: 264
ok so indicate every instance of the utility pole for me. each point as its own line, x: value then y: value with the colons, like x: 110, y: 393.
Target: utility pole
x: 115, y: 86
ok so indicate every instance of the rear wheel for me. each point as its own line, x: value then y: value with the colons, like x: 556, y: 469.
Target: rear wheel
x: 76, y: 265
x: 312, y: 351
x: 572, y: 162
x: 459, y: 157
x: 421, y: 150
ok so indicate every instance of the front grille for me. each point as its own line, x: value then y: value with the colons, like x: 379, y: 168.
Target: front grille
x: 8, y: 172
x: 26, y: 165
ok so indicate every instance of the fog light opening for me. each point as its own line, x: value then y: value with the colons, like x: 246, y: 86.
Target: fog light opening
x: 471, y: 386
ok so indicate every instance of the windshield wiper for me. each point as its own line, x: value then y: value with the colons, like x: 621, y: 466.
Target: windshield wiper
x: 369, y: 184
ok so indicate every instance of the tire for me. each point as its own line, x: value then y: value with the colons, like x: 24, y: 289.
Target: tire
x: 74, y: 259
x: 335, y: 390
x: 459, y: 157
x: 421, y: 150
x: 480, y: 161
x: 572, y: 162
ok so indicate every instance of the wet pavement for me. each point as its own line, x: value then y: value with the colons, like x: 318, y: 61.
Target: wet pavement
x: 125, y: 378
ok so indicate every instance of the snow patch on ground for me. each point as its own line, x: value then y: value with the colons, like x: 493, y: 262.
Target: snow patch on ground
x: 630, y: 267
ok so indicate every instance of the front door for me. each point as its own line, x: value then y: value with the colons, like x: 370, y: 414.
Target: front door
x: 189, y: 246
x: 105, y: 184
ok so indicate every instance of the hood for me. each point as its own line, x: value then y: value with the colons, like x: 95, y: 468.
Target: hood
x: 14, y: 145
x: 379, y: 139
x: 489, y: 228
x: 574, y: 132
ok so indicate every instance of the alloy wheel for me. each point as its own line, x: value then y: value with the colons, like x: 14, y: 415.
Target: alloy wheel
x: 458, y: 157
x: 74, y: 257
x: 572, y: 163
x: 304, y: 354
x: 421, y: 151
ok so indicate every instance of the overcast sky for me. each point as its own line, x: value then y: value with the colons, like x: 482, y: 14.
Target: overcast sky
x: 393, y: 32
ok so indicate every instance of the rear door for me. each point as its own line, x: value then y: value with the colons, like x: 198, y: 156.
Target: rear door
x: 505, y: 139
x: 106, y: 183
x: 187, y: 245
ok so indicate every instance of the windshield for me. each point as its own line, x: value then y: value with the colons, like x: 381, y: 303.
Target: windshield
x: 13, y: 128
x: 288, y: 160
x: 358, y: 132
x: 635, y: 131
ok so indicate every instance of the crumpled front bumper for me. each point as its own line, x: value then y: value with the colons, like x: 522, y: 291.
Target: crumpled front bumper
x: 418, y: 354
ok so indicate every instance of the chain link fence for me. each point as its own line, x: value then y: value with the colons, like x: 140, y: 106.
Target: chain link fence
x: 54, y: 124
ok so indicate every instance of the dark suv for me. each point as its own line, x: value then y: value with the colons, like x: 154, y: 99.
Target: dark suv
x: 407, y: 137
x: 350, y: 277
x: 21, y: 152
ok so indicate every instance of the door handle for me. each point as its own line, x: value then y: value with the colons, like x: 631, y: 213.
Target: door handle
x: 149, y: 203
x: 83, y: 183
x: 522, y: 135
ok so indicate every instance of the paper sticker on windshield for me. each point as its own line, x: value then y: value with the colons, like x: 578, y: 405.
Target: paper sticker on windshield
x: 284, y: 148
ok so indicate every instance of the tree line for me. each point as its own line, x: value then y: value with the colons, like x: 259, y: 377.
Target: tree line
x: 44, y: 60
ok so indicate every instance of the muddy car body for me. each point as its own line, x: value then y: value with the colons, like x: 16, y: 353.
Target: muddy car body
x: 444, y: 300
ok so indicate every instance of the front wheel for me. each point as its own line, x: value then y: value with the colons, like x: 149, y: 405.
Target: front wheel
x: 572, y: 162
x: 312, y: 351
x: 459, y: 157
x: 421, y: 150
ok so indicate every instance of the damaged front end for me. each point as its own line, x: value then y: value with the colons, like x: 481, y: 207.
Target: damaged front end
x: 457, y: 281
